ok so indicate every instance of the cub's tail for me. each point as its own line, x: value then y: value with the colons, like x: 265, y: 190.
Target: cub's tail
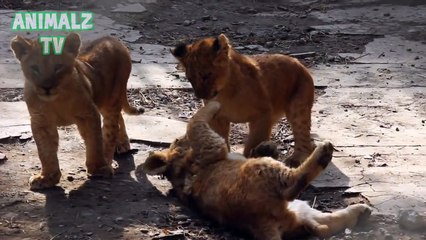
x: 127, y: 108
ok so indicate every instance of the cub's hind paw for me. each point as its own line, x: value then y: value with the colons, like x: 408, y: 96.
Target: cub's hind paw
x: 265, y: 149
x: 38, y: 182
x: 363, y: 211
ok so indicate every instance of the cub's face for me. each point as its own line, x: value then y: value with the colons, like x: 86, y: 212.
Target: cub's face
x: 206, y: 64
x: 45, y: 72
x: 174, y: 163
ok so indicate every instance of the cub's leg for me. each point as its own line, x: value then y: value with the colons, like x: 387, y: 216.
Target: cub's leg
x: 47, y: 140
x: 299, y: 117
x: 260, y: 130
x: 123, y: 142
x: 221, y: 126
x: 309, y: 170
x: 90, y: 130
x: 110, y: 132
x: 324, y: 224
x: 207, y: 145
x: 327, y: 224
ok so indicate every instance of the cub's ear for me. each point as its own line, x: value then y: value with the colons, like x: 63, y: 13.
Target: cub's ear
x: 72, y: 43
x: 221, y: 44
x: 155, y: 164
x: 180, y: 51
x: 20, y: 46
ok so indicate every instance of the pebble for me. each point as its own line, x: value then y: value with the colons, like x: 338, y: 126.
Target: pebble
x: 206, y: 18
x: 3, y: 157
x: 256, y: 47
x: 181, y: 217
x: 269, y: 44
x: 25, y: 137
x: 411, y: 220
x: 119, y: 219
x: 348, y: 231
x: 388, y: 237
x: 186, y: 23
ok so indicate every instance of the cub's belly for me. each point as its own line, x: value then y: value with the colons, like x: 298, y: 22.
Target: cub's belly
x: 242, y: 113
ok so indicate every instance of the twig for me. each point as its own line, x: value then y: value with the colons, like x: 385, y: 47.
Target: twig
x: 57, y: 235
x: 313, y: 204
x: 363, y: 55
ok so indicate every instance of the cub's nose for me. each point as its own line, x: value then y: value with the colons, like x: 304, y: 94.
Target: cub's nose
x: 47, y: 90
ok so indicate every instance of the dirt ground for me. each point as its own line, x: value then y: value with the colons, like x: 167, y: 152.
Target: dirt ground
x: 136, y: 206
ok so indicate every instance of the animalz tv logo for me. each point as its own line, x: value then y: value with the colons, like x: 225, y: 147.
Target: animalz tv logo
x: 56, y: 21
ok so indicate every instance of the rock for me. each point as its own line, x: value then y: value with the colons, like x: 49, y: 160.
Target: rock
x: 186, y: 23
x: 206, y: 18
x: 388, y: 237
x: 348, y: 231
x: 181, y: 217
x: 256, y: 47
x: 269, y: 44
x: 118, y: 219
x: 411, y: 220
x: 25, y: 137
x: 130, y: 8
x: 3, y: 157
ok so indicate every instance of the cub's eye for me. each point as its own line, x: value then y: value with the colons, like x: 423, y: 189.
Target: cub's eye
x: 206, y: 76
x: 59, y: 67
x: 35, y: 69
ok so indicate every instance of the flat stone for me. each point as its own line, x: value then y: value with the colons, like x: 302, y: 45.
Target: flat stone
x: 349, y: 28
x: 129, y: 8
x: 153, y: 129
x: 15, y: 119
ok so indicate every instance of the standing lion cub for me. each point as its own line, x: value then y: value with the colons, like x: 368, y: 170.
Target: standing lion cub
x: 258, y: 89
x: 73, y: 88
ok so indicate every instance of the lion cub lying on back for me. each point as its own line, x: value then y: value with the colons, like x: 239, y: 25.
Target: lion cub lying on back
x: 72, y: 88
x: 257, y: 89
x: 256, y: 195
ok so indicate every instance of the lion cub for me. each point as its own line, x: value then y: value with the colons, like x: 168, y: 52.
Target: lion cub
x: 256, y: 195
x: 258, y: 89
x: 73, y: 88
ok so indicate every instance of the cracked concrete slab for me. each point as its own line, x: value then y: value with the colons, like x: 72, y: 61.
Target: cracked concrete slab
x: 375, y: 109
x: 15, y: 121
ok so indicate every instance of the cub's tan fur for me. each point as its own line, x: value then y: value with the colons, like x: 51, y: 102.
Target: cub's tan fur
x: 255, y: 195
x: 73, y: 88
x: 258, y: 89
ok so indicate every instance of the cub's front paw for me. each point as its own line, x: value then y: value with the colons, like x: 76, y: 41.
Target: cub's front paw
x: 104, y: 172
x: 38, y: 182
x: 123, y: 146
x: 326, y: 153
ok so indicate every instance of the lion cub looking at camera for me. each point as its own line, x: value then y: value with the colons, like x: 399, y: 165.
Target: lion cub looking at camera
x: 73, y: 88
x: 256, y: 195
x: 258, y: 89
